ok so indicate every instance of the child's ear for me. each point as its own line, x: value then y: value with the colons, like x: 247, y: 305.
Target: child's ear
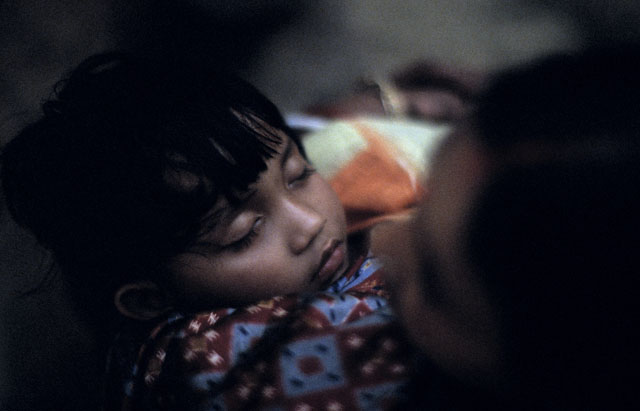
x: 141, y: 300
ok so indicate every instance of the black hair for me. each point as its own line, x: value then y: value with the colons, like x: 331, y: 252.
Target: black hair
x: 130, y: 155
x: 554, y: 234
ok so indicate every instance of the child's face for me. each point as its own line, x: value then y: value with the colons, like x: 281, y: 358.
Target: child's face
x: 287, y: 236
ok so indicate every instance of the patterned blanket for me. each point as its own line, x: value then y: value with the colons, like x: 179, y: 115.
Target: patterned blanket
x: 335, y: 350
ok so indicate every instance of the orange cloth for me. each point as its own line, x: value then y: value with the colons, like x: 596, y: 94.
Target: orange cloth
x: 376, y: 165
x: 374, y: 184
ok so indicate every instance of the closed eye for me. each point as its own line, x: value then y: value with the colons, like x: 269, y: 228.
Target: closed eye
x: 246, y: 240
x: 307, y: 171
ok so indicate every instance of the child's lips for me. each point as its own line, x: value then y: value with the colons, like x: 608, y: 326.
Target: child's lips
x: 332, y: 260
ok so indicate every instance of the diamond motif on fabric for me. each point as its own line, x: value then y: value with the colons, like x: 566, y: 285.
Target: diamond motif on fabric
x: 337, y: 310
x: 326, y: 373
x: 243, y: 336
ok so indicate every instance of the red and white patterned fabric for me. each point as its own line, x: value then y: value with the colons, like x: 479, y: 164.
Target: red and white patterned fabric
x: 337, y: 350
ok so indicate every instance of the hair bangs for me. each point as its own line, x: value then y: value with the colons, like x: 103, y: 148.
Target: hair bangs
x: 132, y: 155
x: 225, y: 153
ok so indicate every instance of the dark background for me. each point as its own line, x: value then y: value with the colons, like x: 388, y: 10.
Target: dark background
x: 298, y: 52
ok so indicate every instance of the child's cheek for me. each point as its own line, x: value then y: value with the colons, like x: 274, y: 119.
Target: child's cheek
x: 339, y: 210
x: 328, y: 195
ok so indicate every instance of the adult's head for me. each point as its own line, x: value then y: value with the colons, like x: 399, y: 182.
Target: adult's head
x: 519, y: 272
x: 156, y: 181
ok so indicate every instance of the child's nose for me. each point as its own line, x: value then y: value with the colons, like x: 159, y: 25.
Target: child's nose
x: 303, y: 224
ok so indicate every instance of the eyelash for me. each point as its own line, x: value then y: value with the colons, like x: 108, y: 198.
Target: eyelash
x: 306, y: 173
x: 245, y: 241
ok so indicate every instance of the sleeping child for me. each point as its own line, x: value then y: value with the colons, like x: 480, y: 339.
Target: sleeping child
x: 189, y: 224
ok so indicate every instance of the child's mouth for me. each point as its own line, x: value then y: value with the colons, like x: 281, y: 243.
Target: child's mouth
x: 333, y: 258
